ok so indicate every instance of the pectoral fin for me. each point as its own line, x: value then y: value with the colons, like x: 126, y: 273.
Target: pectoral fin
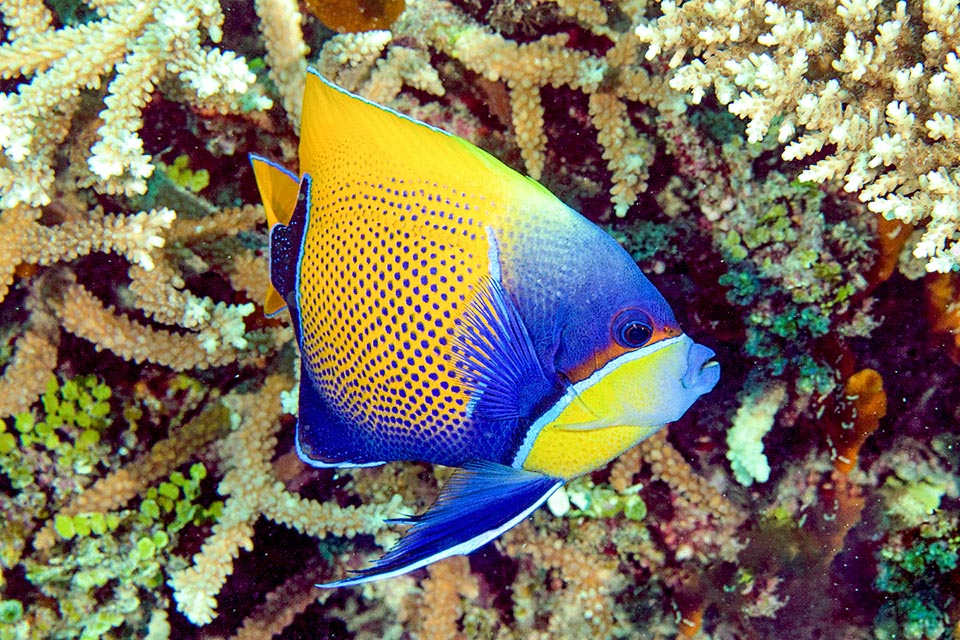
x: 478, y: 503
x: 497, y: 360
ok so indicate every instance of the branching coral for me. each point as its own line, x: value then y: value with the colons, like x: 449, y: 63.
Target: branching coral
x: 286, y: 51
x: 450, y: 581
x: 26, y: 241
x: 879, y: 113
x: 252, y: 491
x: 145, y: 45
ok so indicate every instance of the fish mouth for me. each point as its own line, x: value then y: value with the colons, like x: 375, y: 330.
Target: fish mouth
x: 702, y: 372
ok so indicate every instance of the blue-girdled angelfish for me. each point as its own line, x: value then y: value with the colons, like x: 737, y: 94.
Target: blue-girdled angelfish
x: 450, y: 310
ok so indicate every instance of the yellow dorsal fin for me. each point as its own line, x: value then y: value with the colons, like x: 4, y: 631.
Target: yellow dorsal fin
x: 346, y: 134
x: 278, y: 190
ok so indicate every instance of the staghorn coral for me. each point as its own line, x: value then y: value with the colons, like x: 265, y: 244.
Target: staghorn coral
x: 353, y: 60
x: 26, y: 241
x: 580, y: 602
x: 145, y: 45
x: 283, y: 604
x: 877, y: 114
x: 286, y: 52
x: 195, y: 450
x: 252, y: 491
x: 450, y: 581
x: 34, y: 359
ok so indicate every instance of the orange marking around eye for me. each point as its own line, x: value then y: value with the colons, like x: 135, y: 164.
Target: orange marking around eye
x: 586, y: 368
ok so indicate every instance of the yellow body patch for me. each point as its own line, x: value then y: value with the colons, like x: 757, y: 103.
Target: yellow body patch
x: 392, y: 258
x: 568, y: 454
x: 380, y: 297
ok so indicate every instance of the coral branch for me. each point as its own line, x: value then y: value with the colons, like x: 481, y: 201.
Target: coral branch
x: 143, y: 44
x: 252, y: 490
x: 83, y: 315
x: 25, y: 377
x: 881, y: 116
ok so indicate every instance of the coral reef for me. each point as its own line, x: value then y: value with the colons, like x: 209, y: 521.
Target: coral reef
x: 786, y: 192
x: 878, y: 114
x: 140, y: 46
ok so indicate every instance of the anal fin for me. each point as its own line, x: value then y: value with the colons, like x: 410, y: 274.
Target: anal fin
x: 479, y: 502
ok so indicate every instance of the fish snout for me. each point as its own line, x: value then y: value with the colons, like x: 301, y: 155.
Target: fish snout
x: 702, y: 371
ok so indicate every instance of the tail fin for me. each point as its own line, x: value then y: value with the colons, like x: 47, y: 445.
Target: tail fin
x: 279, y: 190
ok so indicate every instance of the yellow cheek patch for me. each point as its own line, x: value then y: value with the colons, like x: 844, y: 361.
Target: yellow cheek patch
x: 622, y: 403
x: 578, y: 440
x: 568, y: 454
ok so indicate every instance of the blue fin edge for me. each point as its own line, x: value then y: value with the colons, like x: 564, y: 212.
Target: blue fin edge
x: 328, y: 443
x: 256, y: 156
x: 481, y: 501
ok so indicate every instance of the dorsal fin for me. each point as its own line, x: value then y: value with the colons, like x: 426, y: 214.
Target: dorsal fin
x: 341, y: 129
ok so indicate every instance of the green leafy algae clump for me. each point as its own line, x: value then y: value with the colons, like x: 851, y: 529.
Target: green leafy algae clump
x: 107, y: 570
x: 646, y: 240
x: 102, y: 573
x: 581, y: 498
x: 915, y: 571
x: 795, y: 263
x: 11, y: 612
x: 183, y: 176
x: 49, y: 456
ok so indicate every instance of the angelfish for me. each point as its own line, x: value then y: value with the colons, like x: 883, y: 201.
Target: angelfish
x: 453, y: 311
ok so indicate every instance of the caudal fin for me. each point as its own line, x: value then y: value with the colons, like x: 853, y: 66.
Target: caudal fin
x: 279, y: 191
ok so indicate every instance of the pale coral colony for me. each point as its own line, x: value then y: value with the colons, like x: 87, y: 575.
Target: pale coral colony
x: 787, y: 172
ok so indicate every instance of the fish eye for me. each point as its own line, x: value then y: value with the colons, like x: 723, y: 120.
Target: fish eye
x: 633, y: 332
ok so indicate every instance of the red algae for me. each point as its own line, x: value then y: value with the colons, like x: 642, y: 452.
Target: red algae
x: 867, y: 406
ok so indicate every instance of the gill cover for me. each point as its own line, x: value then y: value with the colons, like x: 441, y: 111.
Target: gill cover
x: 622, y: 403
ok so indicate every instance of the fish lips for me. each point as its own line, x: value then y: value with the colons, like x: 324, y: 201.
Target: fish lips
x: 703, y: 372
